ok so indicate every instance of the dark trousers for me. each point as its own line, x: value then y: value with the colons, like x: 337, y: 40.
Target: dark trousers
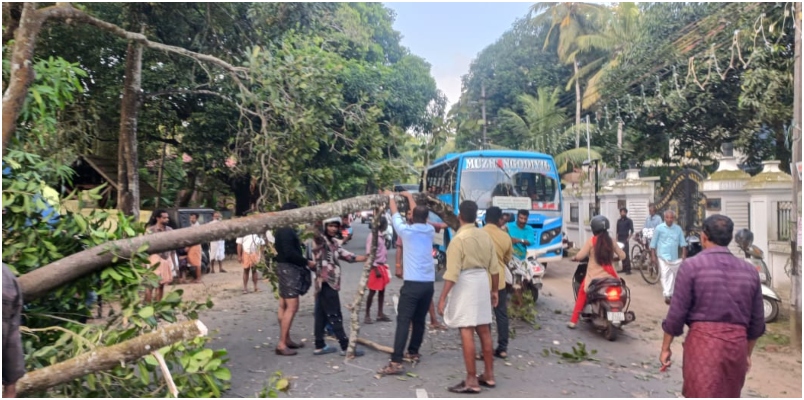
x: 501, y: 315
x: 627, y: 261
x: 414, y: 302
x: 329, y: 311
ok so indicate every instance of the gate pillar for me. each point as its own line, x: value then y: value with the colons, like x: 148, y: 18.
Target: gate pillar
x: 726, y: 195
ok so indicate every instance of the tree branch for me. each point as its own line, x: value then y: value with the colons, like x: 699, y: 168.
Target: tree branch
x: 67, y: 12
x: 49, y: 277
x: 108, y: 357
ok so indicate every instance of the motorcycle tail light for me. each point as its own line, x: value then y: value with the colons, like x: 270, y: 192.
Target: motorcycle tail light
x: 613, y: 294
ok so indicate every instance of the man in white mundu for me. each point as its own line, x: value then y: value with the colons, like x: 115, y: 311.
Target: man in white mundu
x: 468, y: 299
x: 667, y: 239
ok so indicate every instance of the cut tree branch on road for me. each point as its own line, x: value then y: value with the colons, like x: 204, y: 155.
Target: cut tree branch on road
x: 106, y: 358
x: 357, y: 303
x: 39, y: 282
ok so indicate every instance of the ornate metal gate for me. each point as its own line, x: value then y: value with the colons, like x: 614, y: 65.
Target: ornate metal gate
x: 682, y: 194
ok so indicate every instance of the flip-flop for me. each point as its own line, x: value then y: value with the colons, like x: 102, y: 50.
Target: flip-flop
x: 367, y: 321
x: 390, y: 369
x: 293, y: 345
x: 501, y: 354
x: 383, y: 318
x: 325, y: 350
x: 285, y: 352
x: 483, y: 382
x: 461, y: 388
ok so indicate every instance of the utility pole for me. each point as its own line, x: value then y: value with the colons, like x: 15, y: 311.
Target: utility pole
x: 483, y: 110
x: 795, y: 261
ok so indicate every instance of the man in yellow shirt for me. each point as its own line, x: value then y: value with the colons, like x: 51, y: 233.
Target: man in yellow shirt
x: 471, y: 258
x: 504, y: 250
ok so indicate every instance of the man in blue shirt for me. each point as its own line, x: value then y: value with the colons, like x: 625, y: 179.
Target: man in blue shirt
x: 653, y: 219
x: 417, y: 290
x: 521, y: 234
x: 667, y: 238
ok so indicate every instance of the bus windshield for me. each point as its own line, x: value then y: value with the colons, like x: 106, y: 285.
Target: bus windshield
x: 530, y: 190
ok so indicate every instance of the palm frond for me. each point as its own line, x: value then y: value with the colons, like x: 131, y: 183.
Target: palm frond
x: 570, y: 159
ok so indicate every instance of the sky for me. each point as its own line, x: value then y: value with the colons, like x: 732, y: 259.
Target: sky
x: 449, y: 35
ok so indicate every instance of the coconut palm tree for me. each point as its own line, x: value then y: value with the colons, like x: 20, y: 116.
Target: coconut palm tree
x: 620, y: 30
x: 573, y: 20
x: 539, y: 125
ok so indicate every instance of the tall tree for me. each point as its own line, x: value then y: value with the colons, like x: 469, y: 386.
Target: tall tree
x: 573, y: 19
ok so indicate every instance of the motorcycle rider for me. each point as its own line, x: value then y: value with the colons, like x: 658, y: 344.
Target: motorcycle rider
x: 600, y: 249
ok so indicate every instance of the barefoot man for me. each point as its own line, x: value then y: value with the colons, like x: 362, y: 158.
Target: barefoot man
x: 248, y: 253
x: 471, y: 259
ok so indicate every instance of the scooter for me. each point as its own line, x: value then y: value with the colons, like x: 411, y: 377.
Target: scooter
x: 439, y: 262
x: 607, y: 301
x: 526, y: 274
x: 693, y: 245
x: 770, y: 299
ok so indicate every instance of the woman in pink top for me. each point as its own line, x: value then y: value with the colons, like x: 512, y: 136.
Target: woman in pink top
x: 378, y: 276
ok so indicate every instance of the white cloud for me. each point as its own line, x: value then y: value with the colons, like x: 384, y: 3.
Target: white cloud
x: 448, y: 77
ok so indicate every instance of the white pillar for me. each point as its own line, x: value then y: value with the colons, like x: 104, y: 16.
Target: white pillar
x: 725, y: 195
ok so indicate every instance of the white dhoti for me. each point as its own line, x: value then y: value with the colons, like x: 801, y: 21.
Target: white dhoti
x: 669, y: 270
x: 217, y: 250
x: 469, y: 301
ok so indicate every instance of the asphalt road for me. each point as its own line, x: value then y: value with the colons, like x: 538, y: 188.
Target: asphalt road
x: 246, y: 326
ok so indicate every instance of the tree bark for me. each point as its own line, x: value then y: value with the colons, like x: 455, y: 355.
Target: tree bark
x: 795, y: 259
x: 106, y: 358
x: 128, y: 197
x: 21, y: 74
x: 357, y: 303
x: 42, y: 280
x: 577, y: 106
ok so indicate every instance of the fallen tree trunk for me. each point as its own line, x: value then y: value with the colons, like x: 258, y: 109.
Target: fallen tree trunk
x: 42, y: 280
x: 106, y: 358
x: 357, y: 303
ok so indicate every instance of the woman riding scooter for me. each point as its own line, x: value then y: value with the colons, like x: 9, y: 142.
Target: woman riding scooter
x: 600, y: 250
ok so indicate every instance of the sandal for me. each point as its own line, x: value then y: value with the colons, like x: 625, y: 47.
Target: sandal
x: 383, y: 318
x: 325, y: 350
x: 285, y: 352
x: 501, y: 354
x: 392, y: 369
x: 293, y: 345
x: 367, y: 321
x: 438, y: 326
x: 413, y: 357
x: 485, y: 383
x: 461, y: 388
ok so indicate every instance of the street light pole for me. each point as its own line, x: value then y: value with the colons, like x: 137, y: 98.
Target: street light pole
x: 597, y: 188
x: 587, y: 164
x: 483, y: 110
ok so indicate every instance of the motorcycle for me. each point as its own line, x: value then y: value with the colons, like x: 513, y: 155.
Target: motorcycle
x: 526, y: 274
x: 693, y: 245
x: 439, y: 262
x: 770, y: 299
x: 607, y: 301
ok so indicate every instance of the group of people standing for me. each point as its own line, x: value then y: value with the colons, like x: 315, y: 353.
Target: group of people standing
x: 717, y: 294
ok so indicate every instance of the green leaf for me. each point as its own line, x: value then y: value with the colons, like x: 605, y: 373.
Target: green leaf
x: 146, y: 312
x: 223, y: 374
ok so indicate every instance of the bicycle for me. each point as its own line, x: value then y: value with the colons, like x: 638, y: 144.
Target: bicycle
x: 640, y: 257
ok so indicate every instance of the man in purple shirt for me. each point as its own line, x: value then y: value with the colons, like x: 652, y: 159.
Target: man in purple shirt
x: 719, y: 296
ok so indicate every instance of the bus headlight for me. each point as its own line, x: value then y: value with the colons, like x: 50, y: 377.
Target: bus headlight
x: 548, y: 236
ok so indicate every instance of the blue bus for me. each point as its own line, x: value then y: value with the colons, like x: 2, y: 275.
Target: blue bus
x: 511, y: 180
